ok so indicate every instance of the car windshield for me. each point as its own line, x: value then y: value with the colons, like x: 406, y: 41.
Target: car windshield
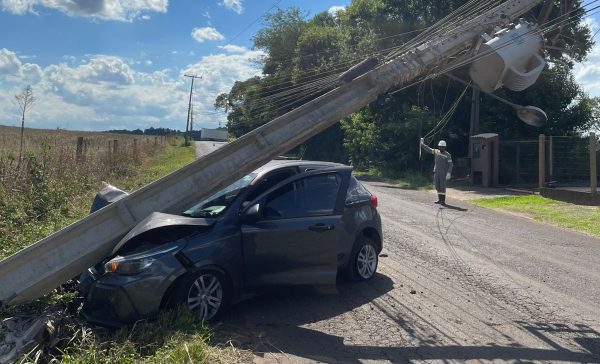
x: 216, y: 204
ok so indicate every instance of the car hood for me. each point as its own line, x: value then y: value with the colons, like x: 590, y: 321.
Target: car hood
x: 159, y: 220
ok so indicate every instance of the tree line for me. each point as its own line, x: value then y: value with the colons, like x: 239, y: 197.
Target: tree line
x: 301, y: 52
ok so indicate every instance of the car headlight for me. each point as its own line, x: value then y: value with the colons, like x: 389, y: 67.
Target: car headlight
x: 135, y: 263
x: 127, y: 266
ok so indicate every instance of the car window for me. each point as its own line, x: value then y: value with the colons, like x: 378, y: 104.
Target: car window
x: 356, y: 191
x: 311, y: 196
x: 216, y: 204
x: 269, y: 181
x: 320, y: 194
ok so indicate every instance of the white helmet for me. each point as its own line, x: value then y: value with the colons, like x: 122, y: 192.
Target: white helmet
x: 442, y: 144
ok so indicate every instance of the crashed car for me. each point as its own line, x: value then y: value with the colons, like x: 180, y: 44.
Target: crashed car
x: 287, y: 223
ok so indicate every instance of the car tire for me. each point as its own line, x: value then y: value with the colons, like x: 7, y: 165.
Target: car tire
x: 205, y: 293
x: 364, y: 260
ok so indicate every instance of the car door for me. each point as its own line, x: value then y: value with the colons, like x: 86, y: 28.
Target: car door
x: 294, y: 239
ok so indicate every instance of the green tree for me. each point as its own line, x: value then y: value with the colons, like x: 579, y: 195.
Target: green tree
x: 305, y: 55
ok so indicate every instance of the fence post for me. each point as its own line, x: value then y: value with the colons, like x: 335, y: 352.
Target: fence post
x: 551, y: 158
x: 79, y: 150
x: 518, y: 179
x: 542, y: 160
x: 115, y: 147
x: 593, y: 166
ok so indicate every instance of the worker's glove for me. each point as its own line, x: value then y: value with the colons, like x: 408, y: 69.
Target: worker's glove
x: 447, y: 176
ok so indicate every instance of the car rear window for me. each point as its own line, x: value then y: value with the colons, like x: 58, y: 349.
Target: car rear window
x: 356, y: 191
x: 310, y: 196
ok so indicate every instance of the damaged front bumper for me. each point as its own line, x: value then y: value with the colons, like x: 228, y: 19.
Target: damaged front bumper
x: 115, y: 300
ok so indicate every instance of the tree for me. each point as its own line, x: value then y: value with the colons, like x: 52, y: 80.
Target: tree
x: 25, y: 100
x: 304, y: 57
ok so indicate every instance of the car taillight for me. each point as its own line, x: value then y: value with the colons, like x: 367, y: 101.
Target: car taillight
x: 374, y: 201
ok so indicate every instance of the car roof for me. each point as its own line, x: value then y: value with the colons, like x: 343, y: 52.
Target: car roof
x: 283, y: 163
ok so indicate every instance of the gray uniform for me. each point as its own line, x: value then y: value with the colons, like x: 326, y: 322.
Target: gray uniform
x: 443, y: 166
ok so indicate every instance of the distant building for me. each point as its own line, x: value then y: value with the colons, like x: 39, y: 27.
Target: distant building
x: 214, y: 134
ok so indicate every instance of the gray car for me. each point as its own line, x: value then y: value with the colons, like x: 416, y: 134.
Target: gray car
x: 287, y: 223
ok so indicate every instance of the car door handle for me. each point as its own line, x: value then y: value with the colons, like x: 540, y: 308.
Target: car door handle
x: 321, y: 227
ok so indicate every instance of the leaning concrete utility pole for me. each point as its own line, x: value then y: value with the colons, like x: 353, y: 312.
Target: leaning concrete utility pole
x: 41, y: 267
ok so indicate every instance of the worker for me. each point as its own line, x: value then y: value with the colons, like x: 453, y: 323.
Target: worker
x: 442, y: 169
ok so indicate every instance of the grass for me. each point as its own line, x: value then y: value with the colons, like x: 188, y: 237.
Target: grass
x: 408, y: 180
x: 581, y: 218
x: 175, y: 337
x: 171, y: 159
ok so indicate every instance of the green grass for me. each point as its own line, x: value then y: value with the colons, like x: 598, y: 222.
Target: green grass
x: 174, y: 157
x: 175, y: 337
x: 581, y: 218
x: 408, y: 180
x: 72, y: 199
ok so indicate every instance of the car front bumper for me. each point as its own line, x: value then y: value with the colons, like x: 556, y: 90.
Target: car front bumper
x: 115, y: 300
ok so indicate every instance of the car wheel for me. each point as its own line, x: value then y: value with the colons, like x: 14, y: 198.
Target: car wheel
x: 365, y: 258
x: 205, y: 293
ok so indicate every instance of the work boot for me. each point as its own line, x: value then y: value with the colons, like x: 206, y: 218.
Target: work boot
x: 443, y: 200
x: 439, y: 201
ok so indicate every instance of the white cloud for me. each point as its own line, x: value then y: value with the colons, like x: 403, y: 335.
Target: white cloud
x: 206, y: 33
x: 121, y: 10
x: 587, y: 74
x: 231, y: 48
x: 9, y: 63
x: 19, y: 7
x: 235, y: 5
x: 102, y: 92
x: 335, y: 9
x: 12, y: 69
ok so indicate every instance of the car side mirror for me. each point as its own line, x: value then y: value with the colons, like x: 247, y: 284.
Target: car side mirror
x: 252, y: 213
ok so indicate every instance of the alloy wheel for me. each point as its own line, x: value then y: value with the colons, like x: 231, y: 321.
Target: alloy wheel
x: 205, y: 296
x: 366, y: 261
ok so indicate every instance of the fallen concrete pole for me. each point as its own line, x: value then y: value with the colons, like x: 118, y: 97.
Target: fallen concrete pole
x: 39, y: 268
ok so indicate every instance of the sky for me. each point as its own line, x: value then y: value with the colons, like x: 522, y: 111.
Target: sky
x: 120, y: 64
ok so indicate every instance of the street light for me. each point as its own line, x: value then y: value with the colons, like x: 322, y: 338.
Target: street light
x: 530, y: 115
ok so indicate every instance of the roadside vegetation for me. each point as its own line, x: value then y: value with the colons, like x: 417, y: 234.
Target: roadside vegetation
x: 581, y: 218
x: 407, y: 180
x: 51, y: 186
x: 49, y: 189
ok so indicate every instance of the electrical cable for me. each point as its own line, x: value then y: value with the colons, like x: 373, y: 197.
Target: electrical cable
x: 463, y: 62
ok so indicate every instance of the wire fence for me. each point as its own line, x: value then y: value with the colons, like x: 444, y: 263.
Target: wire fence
x: 518, y: 162
x: 567, y: 162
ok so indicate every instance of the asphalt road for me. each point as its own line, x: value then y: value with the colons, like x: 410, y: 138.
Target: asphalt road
x: 461, y: 284
x: 207, y: 147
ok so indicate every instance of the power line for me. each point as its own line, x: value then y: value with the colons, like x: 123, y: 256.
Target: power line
x: 314, y: 90
x: 254, y: 22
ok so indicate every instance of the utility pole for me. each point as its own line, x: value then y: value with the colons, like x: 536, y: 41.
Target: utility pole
x: 475, y: 101
x: 188, y: 125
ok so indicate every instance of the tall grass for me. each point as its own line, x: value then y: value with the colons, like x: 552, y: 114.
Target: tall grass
x: 51, y: 186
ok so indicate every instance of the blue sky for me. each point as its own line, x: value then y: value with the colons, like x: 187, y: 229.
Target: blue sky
x: 112, y: 64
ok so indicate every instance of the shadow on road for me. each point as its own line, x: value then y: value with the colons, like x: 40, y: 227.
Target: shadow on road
x: 456, y: 208
x: 276, y: 324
